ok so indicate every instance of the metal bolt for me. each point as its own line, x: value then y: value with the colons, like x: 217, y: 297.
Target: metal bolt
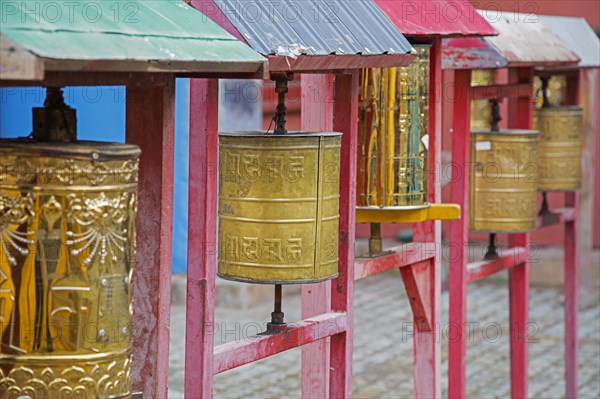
x: 104, y: 282
x: 101, y: 333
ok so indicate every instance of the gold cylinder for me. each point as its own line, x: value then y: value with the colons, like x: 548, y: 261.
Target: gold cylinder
x: 504, y: 181
x: 481, y: 110
x: 393, y: 136
x: 67, y: 242
x: 559, y: 160
x: 278, y: 207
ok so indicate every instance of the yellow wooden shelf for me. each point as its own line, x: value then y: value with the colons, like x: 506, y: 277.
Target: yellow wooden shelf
x: 432, y: 212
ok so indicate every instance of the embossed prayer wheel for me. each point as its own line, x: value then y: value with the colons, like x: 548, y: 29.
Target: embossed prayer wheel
x: 504, y: 180
x: 278, y: 207
x: 67, y: 235
x: 393, y: 136
x: 559, y: 159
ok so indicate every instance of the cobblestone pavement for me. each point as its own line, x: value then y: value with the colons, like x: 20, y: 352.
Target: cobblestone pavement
x: 383, y: 346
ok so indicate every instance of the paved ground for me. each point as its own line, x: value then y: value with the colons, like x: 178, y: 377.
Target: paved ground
x: 383, y: 359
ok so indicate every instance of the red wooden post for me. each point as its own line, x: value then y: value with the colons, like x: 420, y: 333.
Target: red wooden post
x: 345, y: 121
x: 150, y: 125
x: 571, y: 298
x: 317, y: 115
x: 520, y: 117
x: 202, y: 235
x: 427, y: 347
x: 459, y: 233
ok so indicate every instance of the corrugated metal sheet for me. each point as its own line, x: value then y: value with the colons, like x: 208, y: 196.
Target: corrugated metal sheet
x: 436, y: 18
x: 166, y: 31
x: 470, y: 53
x: 579, y: 36
x: 524, y: 41
x: 315, y: 27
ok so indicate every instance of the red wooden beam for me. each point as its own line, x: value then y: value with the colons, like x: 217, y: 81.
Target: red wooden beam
x: 520, y: 117
x: 459, y: 235
x: 510, y: 258
x: 342, y: 288
x: 202, y: 236
x: 556, y: 216
x: 317, y: 116
x: 418, y: 284
x: 256, y: 347
x: 510, y: 90
x: 396, y: 257
x: 571, y: 297
x: 150, y: 124
x: 427, y: 344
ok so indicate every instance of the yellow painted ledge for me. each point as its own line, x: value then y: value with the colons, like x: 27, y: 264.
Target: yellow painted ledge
x: 433, y: 212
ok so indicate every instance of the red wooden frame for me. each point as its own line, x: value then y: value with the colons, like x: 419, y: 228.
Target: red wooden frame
x: 202, y: 362
x: 519, y: 91
x: 327, y: 310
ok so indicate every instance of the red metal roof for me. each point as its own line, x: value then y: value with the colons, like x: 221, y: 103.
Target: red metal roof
x: 436, y: 18
x: 471, y: 53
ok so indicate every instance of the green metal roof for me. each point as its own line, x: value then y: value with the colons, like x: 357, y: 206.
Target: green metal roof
x: 131, y: 35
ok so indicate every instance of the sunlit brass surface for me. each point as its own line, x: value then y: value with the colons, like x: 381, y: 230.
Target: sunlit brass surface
x: 504, y: 180
x: 481, y: 110
x: 559, y: 161
x: 393, y: 135
x: 278, y: 207
x: 555, y: 93
x: 67, y: 237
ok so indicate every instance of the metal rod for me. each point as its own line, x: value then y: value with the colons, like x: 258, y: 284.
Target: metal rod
x: 281, y: 87
x: 375, y: 243
x: 277, y: 315
x: 496, y: 117
x: 545, y: 209
x: 545, y: 102
x: 491, y: 253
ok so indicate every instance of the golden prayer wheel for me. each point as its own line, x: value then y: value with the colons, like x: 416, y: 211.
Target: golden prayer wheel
x: 67, y: 235
x: 559, y: 159
x: 393, y: 136
x: 278, y: 207
x: 504, y: 180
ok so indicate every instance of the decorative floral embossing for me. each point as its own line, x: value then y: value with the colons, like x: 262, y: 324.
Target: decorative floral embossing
x: 101, y: 218
x: 15, y: 211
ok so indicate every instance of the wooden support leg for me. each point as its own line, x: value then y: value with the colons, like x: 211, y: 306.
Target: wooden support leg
x: 345, y: 121
x: 518, y: 279
x: 202, y: 236
x: 459, y: 235
x: 571, y: 300
x: 417, y: 281
x: 427, y: 346
x: 150, y: 124
x: 520, y: 116
x: 317, y: 115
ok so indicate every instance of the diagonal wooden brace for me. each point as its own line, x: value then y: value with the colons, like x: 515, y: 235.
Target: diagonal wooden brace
x: 419, y: 288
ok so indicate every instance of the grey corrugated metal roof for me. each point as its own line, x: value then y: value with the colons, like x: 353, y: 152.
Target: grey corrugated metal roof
x: 313, y: 27
x: 524, y: 41
x: 579, y: 35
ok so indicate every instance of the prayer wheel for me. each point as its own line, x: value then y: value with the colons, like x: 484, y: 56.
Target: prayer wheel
x: 504, y: 180
x: 559, y: 159
x: 278, y: 207
x: 67, y: 235
x: 393, y: 136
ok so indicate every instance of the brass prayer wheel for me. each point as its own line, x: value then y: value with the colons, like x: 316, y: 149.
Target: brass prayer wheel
x: 278, y: 207
x: 67, y: 235
x: 559, y: 160
x: 393, y: 135
x: 504, y: 180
